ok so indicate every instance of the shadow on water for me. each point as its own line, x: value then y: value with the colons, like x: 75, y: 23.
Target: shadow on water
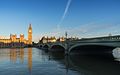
x: 89, y: 64
x: 94, y: 65
x: 56, y: 55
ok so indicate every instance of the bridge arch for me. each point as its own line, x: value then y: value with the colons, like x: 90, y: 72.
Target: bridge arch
x: 40, y: 46
x: 57, y: 47
x: 91, y: 48
x: 46, y: 46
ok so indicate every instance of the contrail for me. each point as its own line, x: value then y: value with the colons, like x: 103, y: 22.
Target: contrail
x: 66, y: 9
x: 65, y: 12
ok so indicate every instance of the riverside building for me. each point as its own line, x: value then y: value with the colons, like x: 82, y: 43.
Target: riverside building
x: 13, y: 41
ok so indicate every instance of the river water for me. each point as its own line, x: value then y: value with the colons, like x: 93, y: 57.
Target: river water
x: 33, y: 61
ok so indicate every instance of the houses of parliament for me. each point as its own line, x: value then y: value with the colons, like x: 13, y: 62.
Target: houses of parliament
x: 13, y: 41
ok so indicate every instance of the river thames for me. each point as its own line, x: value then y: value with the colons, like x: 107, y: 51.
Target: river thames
x: 33, y: 61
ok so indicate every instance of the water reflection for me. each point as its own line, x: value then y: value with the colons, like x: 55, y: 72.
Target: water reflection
x: 13, y: 55
x: 30, y: 59
x: 17, y: 56
x: 89, y: 65
x: 66, y: 65
x: 21, y: 55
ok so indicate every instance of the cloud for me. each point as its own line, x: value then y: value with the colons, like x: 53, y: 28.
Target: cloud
x: 95, y: 29
x: 92, y: 29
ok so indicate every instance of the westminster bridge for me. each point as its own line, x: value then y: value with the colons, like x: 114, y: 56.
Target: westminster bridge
x: 84, y: 45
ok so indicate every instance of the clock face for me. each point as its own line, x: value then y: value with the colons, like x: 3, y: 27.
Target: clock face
x: 30, y: 31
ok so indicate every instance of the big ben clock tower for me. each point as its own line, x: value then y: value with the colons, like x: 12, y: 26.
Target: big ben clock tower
x: 30, y: 35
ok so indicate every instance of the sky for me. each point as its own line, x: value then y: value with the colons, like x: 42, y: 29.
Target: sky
x: 79, y: 18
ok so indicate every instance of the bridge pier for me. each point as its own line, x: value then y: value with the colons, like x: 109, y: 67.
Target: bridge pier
x: 67, y: 49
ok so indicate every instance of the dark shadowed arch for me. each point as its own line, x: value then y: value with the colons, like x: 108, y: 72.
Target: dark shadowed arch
x: 91, y: 49
x: 57, y: 48
x: 40, y: 46
x: 45, y: 47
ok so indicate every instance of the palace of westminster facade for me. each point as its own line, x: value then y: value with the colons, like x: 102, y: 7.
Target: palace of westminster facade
x: 13, y: 41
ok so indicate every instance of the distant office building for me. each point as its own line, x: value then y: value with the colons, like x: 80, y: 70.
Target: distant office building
x: 13, y: 41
